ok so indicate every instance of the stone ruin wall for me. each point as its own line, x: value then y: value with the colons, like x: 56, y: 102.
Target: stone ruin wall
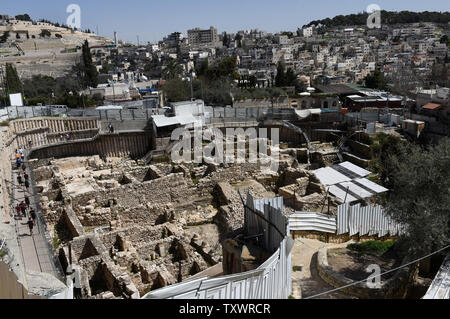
x: 46, y: 131
x: 145, y: 243
x: 118, y: 145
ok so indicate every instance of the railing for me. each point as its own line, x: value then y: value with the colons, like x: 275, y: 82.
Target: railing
x: 43, y: 230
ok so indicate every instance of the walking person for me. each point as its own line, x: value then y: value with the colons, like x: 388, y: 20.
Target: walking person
x: 27, y: 201
x: 18, y: 162
x: 18, y: 210
x: 27, y: 184
x: 33, y: 216
x: 26, y: 176
x: 22, y: 156
x: 23, y: 209
x: 19, y: 179
x: 30, y: 225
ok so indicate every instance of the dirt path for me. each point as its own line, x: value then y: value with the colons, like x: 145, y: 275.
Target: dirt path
x: 307, y: 282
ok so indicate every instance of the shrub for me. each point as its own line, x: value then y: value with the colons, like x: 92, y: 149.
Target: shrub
x: 4, y: 123
x: 371, y: 247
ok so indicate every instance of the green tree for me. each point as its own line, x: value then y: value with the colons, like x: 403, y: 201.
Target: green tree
x: 88, y: 69
x: 4, y: 37
x: 176, y: 90
x: 45, y: 33
x: 280, y: 78
x: 39, y: 86
x: 202, y: 67
x: 153, y: 67
x: 13, y: 83
x: 226, y: 40
x: 291, y: 78
x: 376, y: 80
x: 172, y: 70
x: 420, y: 195
x: 23, y: 17
x: 252, y: 81
x: 238, y: 38
x: 274, y: 94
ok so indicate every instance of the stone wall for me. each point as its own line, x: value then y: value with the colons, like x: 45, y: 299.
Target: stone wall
x: 46, y: 131
x: 116, y: 145
x: 361, y: 149
x: 336, y: 239
x: 356, y: 160
x: 168, y: 189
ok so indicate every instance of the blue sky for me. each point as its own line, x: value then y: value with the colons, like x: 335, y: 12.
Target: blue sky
x: 152, y: 20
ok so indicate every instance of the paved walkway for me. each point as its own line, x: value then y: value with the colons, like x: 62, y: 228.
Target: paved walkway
x: 307, y: 282
x: 35, y: 252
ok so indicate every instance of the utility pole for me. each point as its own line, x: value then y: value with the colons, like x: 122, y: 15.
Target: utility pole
x: 138, y: 40
x: 114, y: 93
x: 192, y: 88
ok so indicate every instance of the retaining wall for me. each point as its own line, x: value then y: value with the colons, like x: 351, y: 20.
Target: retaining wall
x: 336, y: 239
x: 394, y: 288
x: 111, y: 145
x: 45, y: 131
x: 10, y: 287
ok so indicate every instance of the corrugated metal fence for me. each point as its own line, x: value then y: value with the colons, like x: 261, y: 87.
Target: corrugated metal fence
x: 368, y: 220
x: 272, y: 226
x: 272, y: 280
x: 312, y: 222
x: 353, y: 220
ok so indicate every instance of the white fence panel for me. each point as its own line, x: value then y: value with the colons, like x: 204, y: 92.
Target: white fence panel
x: 368, y: 220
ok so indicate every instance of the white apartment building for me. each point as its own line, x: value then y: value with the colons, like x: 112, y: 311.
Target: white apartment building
x: 308, y: 32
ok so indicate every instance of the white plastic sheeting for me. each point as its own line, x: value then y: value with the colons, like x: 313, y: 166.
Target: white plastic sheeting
x: 328, y: 176
x: 346, y: 181
x: 312, y: 222
x: 368, y: 220
x: 272, y: 280
x: 355, y: 169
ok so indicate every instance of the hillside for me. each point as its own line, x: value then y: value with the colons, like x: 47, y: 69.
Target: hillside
x: 387, y: 17
x: 42, y: 47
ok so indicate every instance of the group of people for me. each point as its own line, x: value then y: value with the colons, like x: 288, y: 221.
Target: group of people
x: 23, y: 179
x: 20, y: 158
x: 21, y: 210
x: 20, y: 162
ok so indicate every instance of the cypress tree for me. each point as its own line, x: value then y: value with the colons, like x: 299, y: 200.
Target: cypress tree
x: 280, y: 79
x: 89, y: 69
x: 13, y: 83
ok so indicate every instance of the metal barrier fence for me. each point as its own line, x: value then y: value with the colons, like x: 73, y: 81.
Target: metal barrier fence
x: 271, y: 280
x: 367, y: 220
x: 353, y: 220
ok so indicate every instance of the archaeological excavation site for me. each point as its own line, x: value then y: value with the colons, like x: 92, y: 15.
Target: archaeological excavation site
x: 122, y: 220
